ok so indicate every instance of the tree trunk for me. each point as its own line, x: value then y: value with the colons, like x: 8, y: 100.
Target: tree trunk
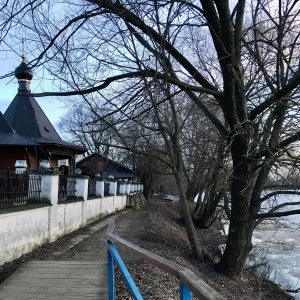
x: 194, y: 186
x: 238, y: 245
x: 209, y: 211
x: 214, y: 183
x: 241, y: 226
x: 198, y: 248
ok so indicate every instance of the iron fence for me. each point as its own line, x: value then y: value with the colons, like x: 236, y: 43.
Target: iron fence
x: 106, y: 188
x: 118, y: 188
x: 92, y: 187
x: 19, y: 189
x: 66, y: 188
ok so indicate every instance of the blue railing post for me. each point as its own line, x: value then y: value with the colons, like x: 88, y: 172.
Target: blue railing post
x: 185, y: 293
x: 111, y: 276
x: 132, y: 288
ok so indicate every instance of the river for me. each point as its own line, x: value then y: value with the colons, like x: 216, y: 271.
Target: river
x: 276, y: 247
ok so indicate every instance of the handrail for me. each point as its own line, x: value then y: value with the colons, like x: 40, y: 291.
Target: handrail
x: 189, y: 282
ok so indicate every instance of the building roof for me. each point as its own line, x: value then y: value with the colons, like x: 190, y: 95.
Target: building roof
x: 4, y: 126
x: 104, y: 157
x: 9, y: 137
x: 126, y: 172
x: 25, y: 117
x: 13, y: 139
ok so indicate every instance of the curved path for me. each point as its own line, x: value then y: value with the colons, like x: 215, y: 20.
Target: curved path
x: 74, y: 267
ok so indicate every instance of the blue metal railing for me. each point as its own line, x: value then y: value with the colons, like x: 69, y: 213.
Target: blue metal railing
x: 188, y: 282
x: 113, y: 256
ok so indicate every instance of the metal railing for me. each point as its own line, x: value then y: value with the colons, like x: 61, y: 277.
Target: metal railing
x: 66, y: 187
x: 188, y: 282
x: 118, y: 188
x: 19, y: 189
x: 92, y: 187
x: 106, y: 188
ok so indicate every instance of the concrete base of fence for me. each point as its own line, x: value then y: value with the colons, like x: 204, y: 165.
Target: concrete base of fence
x: 23, y: 231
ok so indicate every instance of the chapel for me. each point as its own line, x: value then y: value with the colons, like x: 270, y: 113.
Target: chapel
x: 27, y: 137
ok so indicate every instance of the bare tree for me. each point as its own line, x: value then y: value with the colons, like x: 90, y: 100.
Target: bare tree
x: 250, y: 72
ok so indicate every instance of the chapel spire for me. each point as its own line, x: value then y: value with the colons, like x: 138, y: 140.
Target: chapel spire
x: 23, y: 73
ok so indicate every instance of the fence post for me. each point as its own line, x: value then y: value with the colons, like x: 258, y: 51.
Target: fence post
x: 82, y: 186
x: 113, y: 188
x: 99, y: 188
x: 122, y: 189
x: 49, y: 192
x: 127, y: 188
x: 82, y: 190
x: 49, y: 187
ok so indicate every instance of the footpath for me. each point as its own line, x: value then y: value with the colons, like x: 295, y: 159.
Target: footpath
x: 73, y: 267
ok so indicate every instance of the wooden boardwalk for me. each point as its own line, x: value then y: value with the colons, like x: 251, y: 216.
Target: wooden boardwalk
x: 53, y: 280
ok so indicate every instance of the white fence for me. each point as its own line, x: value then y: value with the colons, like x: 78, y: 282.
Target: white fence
x: 22, y: 231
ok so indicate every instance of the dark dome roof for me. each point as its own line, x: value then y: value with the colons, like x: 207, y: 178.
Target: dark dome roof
x: 23, y: 71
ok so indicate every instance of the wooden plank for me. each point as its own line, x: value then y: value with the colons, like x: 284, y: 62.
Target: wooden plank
x: 64, y: 271
x: 50, y: 297
x: 16, y: 296
x: 66, y: 268
x: 68, y: 288
x: 95, y: 285
x: 57, y: 280
x: 65, y: 263
x: 58, y: 276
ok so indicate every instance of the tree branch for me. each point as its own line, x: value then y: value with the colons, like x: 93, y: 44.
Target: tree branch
x: 268, y: 196
x: 295, y: 137
x: 143, y: 73
x: 292, y: 84
x: 273, y: 214
x: 119, y: 10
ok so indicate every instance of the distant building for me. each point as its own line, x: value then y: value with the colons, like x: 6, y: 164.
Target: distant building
x: 27, y: 136
x: 96, y: 164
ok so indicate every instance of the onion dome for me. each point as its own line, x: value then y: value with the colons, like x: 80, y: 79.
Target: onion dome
x: 23, y: 72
